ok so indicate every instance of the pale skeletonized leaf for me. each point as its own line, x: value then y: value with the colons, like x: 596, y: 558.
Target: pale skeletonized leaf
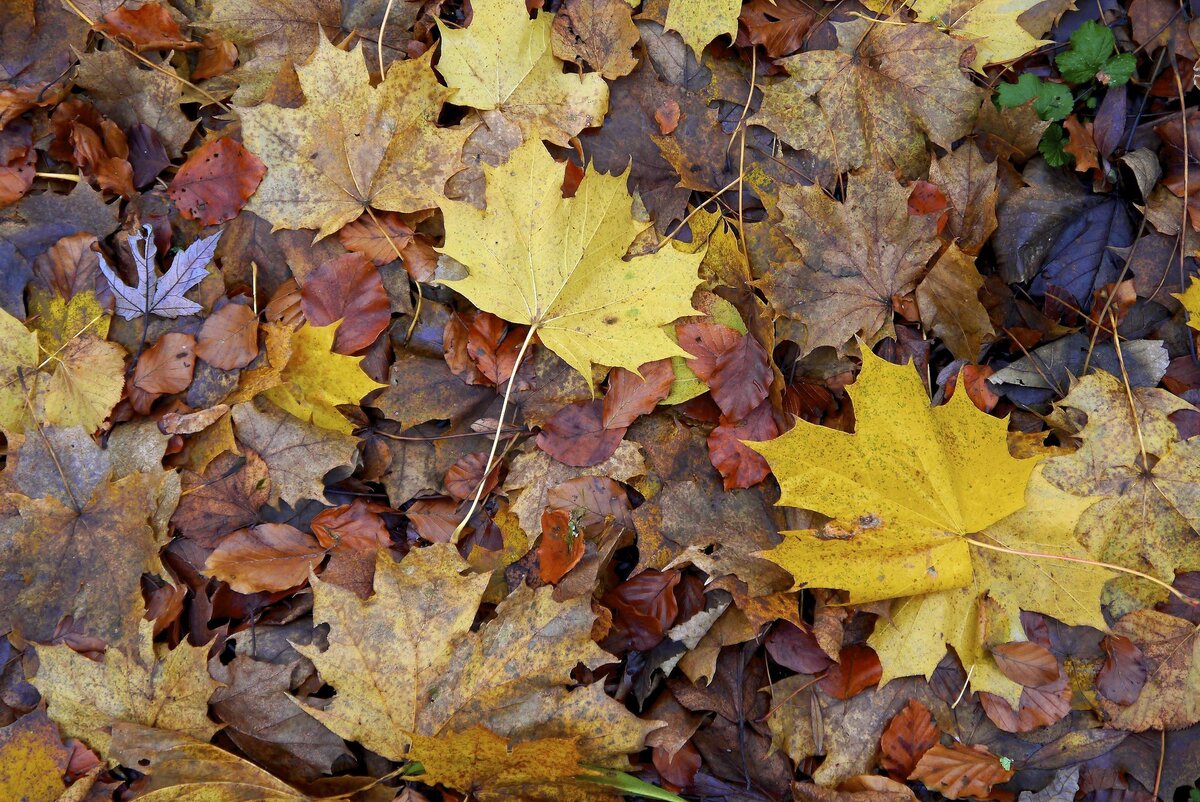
x: 160, y: 296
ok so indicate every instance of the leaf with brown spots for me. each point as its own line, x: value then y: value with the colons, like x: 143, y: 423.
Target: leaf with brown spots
x: 960, y: 771
x: 215, y: 182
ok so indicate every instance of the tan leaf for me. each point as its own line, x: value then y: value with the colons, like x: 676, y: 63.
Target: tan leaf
x: 960, y: 771
x: 265, y: 557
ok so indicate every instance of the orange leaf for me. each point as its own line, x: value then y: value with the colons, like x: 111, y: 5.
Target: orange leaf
x: 166, y: 367
x: 561, y: 547
x: 906, y: 739
x: 347, y: 288
x: 857, y: 669
x: 264, y: 557
x: 630, y: 396
x: 1026, y: 663
x: 229, y: 337
x: 148, y: 27
x: 960, y: 771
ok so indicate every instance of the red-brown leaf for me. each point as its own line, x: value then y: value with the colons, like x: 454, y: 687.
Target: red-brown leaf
x: 264, y: 557
x: 493, y: 346
x: 629, y: 397
x: 357, y: 526
x: 739, y: 465
x: 217, y: 56
x: 857, y: 669
x: 601, y: 500
x: 678, y: 769
x: 960, y: 771
x: 1026, y: 663
x: 735, y: 366
x: 364, y: 237
x: 908, y: 736
x: 434, y: 519
x: 644, y: 608
x: 561, y: 547
x: 1124, y: 672
x: 229, y: 337
x: 778, y: 25
x: 17, y: 162
x: 216, y: 181
x: 148, y: 27
x: 463, y: 478
x: 576, y: 435
x: 347, y: 288
x: 1039, y: 707
x: 797, y: 649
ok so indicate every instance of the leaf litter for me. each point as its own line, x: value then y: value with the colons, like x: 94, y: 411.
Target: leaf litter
x: 768, y: 400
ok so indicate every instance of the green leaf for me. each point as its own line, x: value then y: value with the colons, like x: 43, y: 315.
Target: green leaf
x: 1091, y: 46
x: 628, y: 784
x: 1051, y: 146
x: 1118, y: 70
x: 1051, y: 101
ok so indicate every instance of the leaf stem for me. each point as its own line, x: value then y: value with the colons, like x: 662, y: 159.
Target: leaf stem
x: 1084, y: 561
x: 487, y: 468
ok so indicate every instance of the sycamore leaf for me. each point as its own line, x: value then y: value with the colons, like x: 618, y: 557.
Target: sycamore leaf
x: 850, y: 258
x: 556, y: 263
x: 906, y: 487
x: 155, y: 295
x: 504, y: 62
x: 875, y: 99
x: 701, y: 21
x: 990, y: 25
x: 131, y: 684
x: 83, y: 559
x: 88, y: 377
x: 352, y: 146
x: 1146, y: 475
x: 181, y: 768
x: 483, y: 764
x: 32, y: 760
x: 394, y: 681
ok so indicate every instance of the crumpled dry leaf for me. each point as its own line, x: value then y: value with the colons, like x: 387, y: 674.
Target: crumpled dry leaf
x: 875, y: 99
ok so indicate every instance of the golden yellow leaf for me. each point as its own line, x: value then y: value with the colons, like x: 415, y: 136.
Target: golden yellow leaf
x: 908, y: 483
x: 315, y: 379
x: 481, y: 763
x: 990, y: 25
x: 32, y: 760
x: 876, y: 99
x: 394, y: 681
x: 18, y: 359
x: 57, y: 320
x: 540, y: 259
x: 130, y: 684
x: 352, y: 146
x: 701, y: 21
x: 88, y: 378
x: 905, y: 491
x: 1190, y: 298
x: 504, y: 62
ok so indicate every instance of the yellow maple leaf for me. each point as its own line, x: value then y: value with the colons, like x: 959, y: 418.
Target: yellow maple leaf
x: 32, y: 760
x: 504, y: 62
x: 352, y: 146
x: 315, y: 379
x: 555, y: 263
x: 86, y: 371
x: 1190, y: 298
x: 394, y: 681
x: 130, y: 684
x: 701, y: 21
x: 991, y: 25
x: 928, y: 503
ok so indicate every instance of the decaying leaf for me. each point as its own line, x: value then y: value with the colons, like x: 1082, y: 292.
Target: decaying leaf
x: 160, y: 295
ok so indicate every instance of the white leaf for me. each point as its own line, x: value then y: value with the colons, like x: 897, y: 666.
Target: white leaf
x: 160, y: 296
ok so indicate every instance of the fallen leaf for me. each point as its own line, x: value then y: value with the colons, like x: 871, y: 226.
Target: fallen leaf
x: 600, y: 32
x: 948, y: 300
x: 504, y: 62
x: 351, y: 146
x: 577, y: 436
x: 999, y: 30
x: 735, y: 366
x: 960, y: 771
x: 1124, y: 672
x: 85, y: 697
x: 347, y: 289
x: 160, y: 295
x: 908, y: 736
x: 699, y: 22
x: 32, y: 760
x: 148, y: 27
x: 225, y: 498
x: 1026, y: 663
x: 1172, y: 654
x: 857, y: 668
x: 228, y: 338
x: 850, y: 259
x: 215, y: 182
x: 577, y: 245
x: 269, y: 557
x: 630, y: 396
x: 164, y: 368
x: 778, y: 25
x: 875, y: 99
